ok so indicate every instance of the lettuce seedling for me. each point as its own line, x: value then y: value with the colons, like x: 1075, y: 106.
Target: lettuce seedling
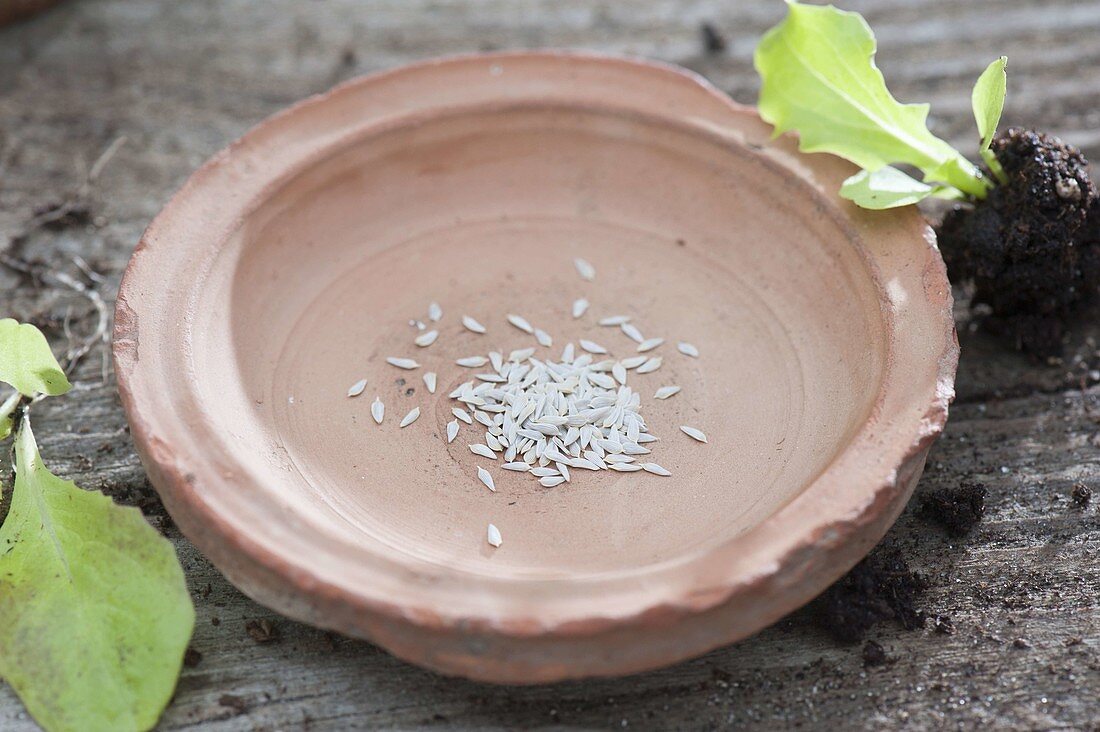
x: 820, y: 79
x: 1026, y: 232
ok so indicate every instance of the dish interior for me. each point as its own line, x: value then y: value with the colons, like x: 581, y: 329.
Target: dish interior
x: 483, y: 211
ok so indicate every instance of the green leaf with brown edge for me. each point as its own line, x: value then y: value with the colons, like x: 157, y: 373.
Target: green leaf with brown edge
x: 94, y: 611
x: 819, y: 77
x: 26, y: 361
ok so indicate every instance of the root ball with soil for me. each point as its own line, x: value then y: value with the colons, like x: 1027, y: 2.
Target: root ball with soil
x: 1031, y: 246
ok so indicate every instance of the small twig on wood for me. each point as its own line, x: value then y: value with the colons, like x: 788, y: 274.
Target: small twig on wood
x: 87, y: 271
x: 103, y: 159
x: 77, y: 352
x: 99, y: 335
x: 78, y: 201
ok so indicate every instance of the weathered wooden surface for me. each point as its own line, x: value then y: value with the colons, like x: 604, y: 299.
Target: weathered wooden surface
x: 180, y: 79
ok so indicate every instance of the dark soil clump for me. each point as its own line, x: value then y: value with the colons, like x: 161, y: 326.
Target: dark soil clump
x: 713, y: 41
x: 874, y: 654
x: 1081, y: 495
x: 1027, y: 247
x: 192, y: 658
x: 957, y: 509
x: 881, y: 587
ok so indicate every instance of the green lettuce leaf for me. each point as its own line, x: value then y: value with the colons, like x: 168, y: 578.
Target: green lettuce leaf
x: 820, y: 79
x: 988, y: 101
x: 94, y: 612
x: 885, y: 188
x: 26, y: 361
x: 889, y: 188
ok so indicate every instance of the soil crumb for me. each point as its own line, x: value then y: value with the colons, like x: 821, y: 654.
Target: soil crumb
x: 957, y: 509
x: 262, y: 630
x: 1024, y: 246
x: 1081, y: 495
x: 944, y: 625
x: 236, y: 703
x: 881, y: 587
x: 713, y: 41
x: 873, y: 654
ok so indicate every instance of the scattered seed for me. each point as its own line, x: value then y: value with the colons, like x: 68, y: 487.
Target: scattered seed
x: 693, y: 433
x: 426, y: 338
x: 452, y: 430
x: 615, y: 320
x: 655, y: 469
x: 543, y: 338
x: 579, y: 307
x: 619, y: 372
x: 625, y: 467
x: 521, y: 323
x: 543, y: 472
x: 688, y: 350
x: 518, y: 467
x: 632, y: 332
x: 592, y: 347
x: 411, y: 417
x: 551, y: 481
x: 650, y: 365
x: 634, y: 361
x: 402, y: 363
x: 472, y: 362
x: 484, y: 476
x: 483, y: 451
x: 521, y: 354
x: 471, y: 324
x: 377, y: 410
x: 650, y: 344
x: 585, y: 269
x: 461, y: 414
x: 357, y: 388
x: 430, y: 381
x: 568, y: 353
x: 494, y: 536
x: 434, y: 312
x: 666, y: 391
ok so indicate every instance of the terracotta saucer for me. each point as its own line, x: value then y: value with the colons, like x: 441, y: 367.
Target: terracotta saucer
x: 289, y: 266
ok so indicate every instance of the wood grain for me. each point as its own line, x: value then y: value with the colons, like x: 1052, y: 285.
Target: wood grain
x: 179, y: 80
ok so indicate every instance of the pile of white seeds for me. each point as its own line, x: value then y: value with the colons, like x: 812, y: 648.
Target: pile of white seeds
x: 544, y: 416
